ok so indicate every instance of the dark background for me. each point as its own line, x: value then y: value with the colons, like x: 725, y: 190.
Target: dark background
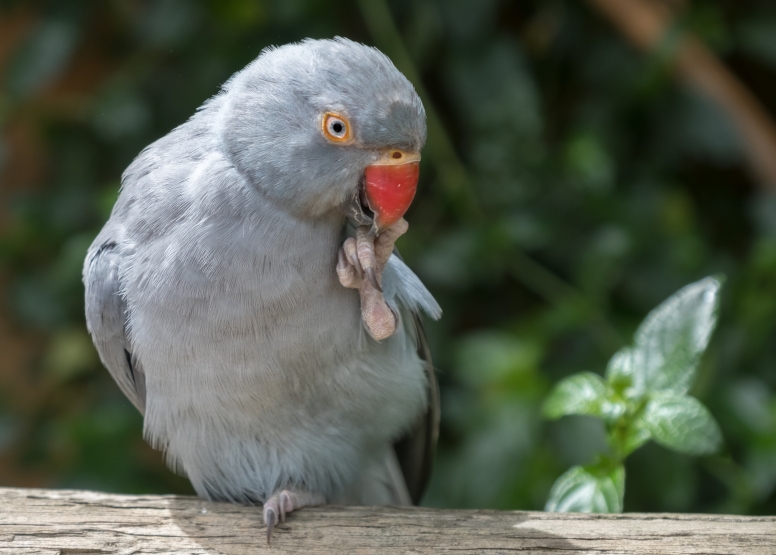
x: 585, y: 160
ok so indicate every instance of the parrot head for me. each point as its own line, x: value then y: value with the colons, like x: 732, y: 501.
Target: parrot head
x: 326, y: 125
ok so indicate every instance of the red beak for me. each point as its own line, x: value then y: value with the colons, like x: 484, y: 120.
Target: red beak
x: 389, y: 190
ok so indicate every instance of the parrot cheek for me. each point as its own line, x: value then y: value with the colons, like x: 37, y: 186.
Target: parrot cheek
x: 389, y: 190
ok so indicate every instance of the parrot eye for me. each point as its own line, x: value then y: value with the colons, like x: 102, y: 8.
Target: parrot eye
x: 336, y: 128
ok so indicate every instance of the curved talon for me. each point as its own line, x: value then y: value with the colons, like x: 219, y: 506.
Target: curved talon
x: 342, y: 261
x: 361, y: 267
x: 270, y: 519
x: 370, y: 273
x: 354, y: 260
x: 284, y: 501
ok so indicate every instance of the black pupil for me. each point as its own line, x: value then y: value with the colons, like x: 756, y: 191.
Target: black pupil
x: 337, y: 127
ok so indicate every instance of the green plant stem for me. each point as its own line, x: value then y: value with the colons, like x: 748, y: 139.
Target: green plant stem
x: 617, y: 437
x: 621, y: 430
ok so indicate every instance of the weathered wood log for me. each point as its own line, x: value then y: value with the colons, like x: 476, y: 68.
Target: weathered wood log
x: 80, y: 522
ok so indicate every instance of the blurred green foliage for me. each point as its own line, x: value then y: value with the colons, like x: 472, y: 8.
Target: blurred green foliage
x: 569, y: 186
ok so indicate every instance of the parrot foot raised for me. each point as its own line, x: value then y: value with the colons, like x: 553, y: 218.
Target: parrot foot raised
x: 360, y: 265
x: 283, y: 502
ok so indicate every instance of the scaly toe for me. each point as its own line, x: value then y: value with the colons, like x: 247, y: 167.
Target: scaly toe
x: 286, y: 504
x: 280, y: 504
x: 385, y: 241
x: 365, y: 247
x: 370, y: 274
x: 346, y: 272
x: 351, y: 252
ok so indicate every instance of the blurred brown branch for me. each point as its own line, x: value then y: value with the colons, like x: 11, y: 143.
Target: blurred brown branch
x: 646, y: 24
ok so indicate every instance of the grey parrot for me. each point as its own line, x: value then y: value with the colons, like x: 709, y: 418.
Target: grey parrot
x: 246, y: 296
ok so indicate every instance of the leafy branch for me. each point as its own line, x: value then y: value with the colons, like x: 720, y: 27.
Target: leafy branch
x: 642, y: 396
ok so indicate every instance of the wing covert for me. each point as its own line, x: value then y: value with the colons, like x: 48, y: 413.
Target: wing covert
x: 415, y: 450
x: 106, y: 319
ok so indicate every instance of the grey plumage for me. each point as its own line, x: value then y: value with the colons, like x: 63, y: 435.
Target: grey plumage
x: 212, y: 298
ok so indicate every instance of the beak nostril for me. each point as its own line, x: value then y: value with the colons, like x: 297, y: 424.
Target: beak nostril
x: 396, y: 155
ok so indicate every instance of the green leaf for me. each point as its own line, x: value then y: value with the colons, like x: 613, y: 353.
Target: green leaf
x: 620, y: 370
x: 637, y: 436
x: 682, y: 423
x: 582, y: 393
x: 590, y: 489
x: 670, y: 341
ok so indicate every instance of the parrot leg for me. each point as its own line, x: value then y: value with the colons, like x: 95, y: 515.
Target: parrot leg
x: 285, y: 501
x: 360, y: 266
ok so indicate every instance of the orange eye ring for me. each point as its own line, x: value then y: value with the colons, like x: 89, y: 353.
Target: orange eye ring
x: 336, y: 128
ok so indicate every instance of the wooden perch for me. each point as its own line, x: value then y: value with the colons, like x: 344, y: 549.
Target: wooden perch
x: 80, y: 522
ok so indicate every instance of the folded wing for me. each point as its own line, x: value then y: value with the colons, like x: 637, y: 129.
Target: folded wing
x: 415, y: 451
x: 106, y: 318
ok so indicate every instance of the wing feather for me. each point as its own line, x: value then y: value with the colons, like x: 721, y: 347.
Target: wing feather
x: 106, y: 319
x: 415, y: 450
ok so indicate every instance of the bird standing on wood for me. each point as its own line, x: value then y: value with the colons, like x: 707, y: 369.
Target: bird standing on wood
x: 276, y: 352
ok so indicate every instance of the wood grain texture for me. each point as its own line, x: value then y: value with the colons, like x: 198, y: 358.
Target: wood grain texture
x: 80, y: 522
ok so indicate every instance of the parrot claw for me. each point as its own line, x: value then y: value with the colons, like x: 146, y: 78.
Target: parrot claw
x: 280, y: 504
x: 357, y: 265
x: 270, y: 520
x: 286, y: 505
x: 370, y: 274
x: 360, y: 264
